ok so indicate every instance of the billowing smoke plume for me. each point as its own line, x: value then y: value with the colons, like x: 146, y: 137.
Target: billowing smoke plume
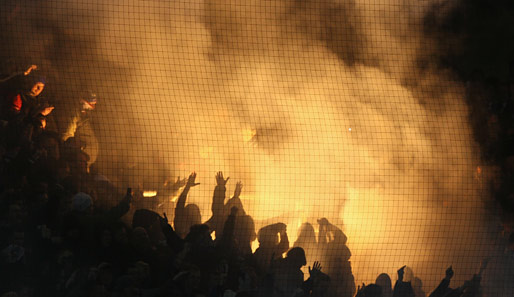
x: 323, y: 109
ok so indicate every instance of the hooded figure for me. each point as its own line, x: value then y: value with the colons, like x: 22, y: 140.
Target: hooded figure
x: 22, y: 99
x: 22, y: 111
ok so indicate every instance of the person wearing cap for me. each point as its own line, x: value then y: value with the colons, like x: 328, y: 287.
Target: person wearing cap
x: 79, y: 126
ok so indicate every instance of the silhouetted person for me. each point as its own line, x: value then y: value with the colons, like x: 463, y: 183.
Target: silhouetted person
x: 78, y: 179
x: 401, y: 288
x: 472, y: 288
x: 244, y: 231
x: 417, y: 286
x: 85, y: 220
x: 144, y: 218
x: 443, y: 289
x: 219, y: 212
x: 244, y: 234
x: 288, y: 275
x: 200, y: 248
x: 141, y: 244
x: 384, y: 281
x: 186, y: 216
x: 306, y: 237
x: 22, y: 102
x: 371, y: 290
x: 78, y: 125
x: 173, y: 240
x: 247, y: 281
x: 23, y: 114
x: 13, y: 87
x: 273, y: 242
x: 307, y: 240
x: 49, y: 166
x: 151, y: 221
x: 332, y: 243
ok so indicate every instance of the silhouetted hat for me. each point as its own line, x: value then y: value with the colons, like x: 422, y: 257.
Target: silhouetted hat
x: 144, y: 218
x: 82, y: 201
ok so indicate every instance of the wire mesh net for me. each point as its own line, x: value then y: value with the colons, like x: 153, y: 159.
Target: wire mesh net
x: 350, y: 133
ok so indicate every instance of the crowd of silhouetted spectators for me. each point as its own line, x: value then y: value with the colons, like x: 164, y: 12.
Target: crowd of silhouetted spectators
x: 57, y: 238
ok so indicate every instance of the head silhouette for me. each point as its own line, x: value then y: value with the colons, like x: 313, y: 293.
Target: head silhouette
x: 296, y: 257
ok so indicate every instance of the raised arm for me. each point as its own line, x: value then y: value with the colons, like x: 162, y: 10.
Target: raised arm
x: 172, y: 239
x: 401, y: 288
x: 401, y: 272
x: 442, y: 289
x: 235, y: 201
x: 218, y: 198
x: 25, y: 73
x: 180, y: 216
x: 314, y: 275
x: 181, y: 203
x: 237, y: 191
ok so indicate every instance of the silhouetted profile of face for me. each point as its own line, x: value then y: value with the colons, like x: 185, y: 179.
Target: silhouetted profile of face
x: 296, y: 257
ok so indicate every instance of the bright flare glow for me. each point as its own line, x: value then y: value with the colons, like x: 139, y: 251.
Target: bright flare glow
x: 149, y: 194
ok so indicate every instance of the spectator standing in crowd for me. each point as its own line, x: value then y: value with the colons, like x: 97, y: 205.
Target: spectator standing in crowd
x: 79, y: 127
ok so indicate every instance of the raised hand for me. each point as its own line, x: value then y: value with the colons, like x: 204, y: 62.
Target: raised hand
x: 316, y: 269
x: 191, y: 180
x: 449, y: 273
x: 29, y: 70
x: 47, y: 110
x: 172, y: 187
x: 237, y: 191
x: 179, y: 182
x: 163, y: 220
x: 220, y: 180
x: 128, y: 196
x: 401, y: 272
x: 281, y: 227
x: 42, y: 123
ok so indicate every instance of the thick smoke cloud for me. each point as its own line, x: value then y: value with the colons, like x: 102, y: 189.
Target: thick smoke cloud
x: 323, y: 109
x: 473, y: 40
